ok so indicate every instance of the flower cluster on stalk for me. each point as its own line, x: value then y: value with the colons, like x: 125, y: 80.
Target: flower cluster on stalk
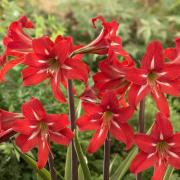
x: 118, y: 88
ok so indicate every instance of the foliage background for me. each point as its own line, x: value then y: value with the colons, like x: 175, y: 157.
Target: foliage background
x: 140, y: 21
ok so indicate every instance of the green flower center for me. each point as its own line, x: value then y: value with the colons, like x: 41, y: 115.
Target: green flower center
x: 152, y: 76
x: 107, y: 116
x: 162, y: 149
x: 42, y: 126
x: 53, y: 65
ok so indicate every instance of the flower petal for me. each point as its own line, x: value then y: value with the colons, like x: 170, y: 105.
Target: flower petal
x: 87, y: 122
x: 162, y: 128
x: 25, y: 143
x: 43, y: 152
x: 160, y: 101
x: 98, y: 139
x: 153, y: 58
x: 33, y: 76
x: 57, y: 93
x: 33, y: 110
x: 142, y: 162
x: 145, y: 143
x: 91, y: 108
x: 122, y: 132
x: 56, y: 122
x: 159, y: 172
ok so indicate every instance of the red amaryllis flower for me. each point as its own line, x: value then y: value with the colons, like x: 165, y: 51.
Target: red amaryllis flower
x: 50, y: 60
x: 17, y: 43
x: 173, y: 54
x: 155, y: 77
x: 105, y: 117
x: 158, y: 149
x: 39, y: 128
x: 7, y: 120
x: 106, y: 40
x: 112, y: 74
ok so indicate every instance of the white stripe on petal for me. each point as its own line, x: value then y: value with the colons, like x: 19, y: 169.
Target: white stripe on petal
x: 36, y: 116
x: 173, y: 154
x: 152, y: 64
x: 142, y: 89
x: 34, y: 134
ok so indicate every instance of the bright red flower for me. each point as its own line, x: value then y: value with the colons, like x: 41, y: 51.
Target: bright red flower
x: 39, y: 128
x: 112, y: 74
x: 159, y: 149
x: 17, y: 43
x: 50, y: 60
x: 7, y: 120
x: 173, y: 54
x: 155, y: 77
x: 105, y: 117
x: 106, y: 40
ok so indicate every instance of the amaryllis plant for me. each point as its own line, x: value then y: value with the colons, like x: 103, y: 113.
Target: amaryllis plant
x: 108, y: 104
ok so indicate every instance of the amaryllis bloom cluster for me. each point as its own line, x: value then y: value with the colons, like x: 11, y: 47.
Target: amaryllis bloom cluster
x: 106, y: 117
x: 53, y: 61
x: 106, y: 41
x: 159, y: 149
x: 17, y: 44
x: 37, y: 128
x: 155, y: 77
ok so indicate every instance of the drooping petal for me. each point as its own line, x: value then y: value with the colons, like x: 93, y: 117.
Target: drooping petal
x: 122, y: 132
x: 25, y: 143
x: 162, y: 129
x: 88, y: 122
x: 43, y: 152
x: 153, y: 58
x: 137, y: 93
x: 170, y: 53
x: 8, y: 66
x: 32, y: 76
x: 160, y: 101
x: 33, y: 110
x: 159, y: 172
x: 174, y: 159
x: 142, y: 162
x: 55, y: 82
x: 98, y: 139
x: 145, y: 143
x: 56, y: 122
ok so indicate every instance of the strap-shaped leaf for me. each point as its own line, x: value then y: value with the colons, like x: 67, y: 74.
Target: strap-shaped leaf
x: 124, y: 166
x: 80, y: 173
x: 44, y: 173
x: 81, y: 158
x: 168, y: 173
x: 67, y: 175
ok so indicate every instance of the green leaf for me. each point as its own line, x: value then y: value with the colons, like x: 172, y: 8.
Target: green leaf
x: 44, y: 173
x: 67, y: 175
x: 168, y: 173
x: 80, y: 173
x: 81, y: 158
x: 124, y: 165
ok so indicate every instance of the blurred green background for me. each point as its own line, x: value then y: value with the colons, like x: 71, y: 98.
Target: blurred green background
x: 140, y: 21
